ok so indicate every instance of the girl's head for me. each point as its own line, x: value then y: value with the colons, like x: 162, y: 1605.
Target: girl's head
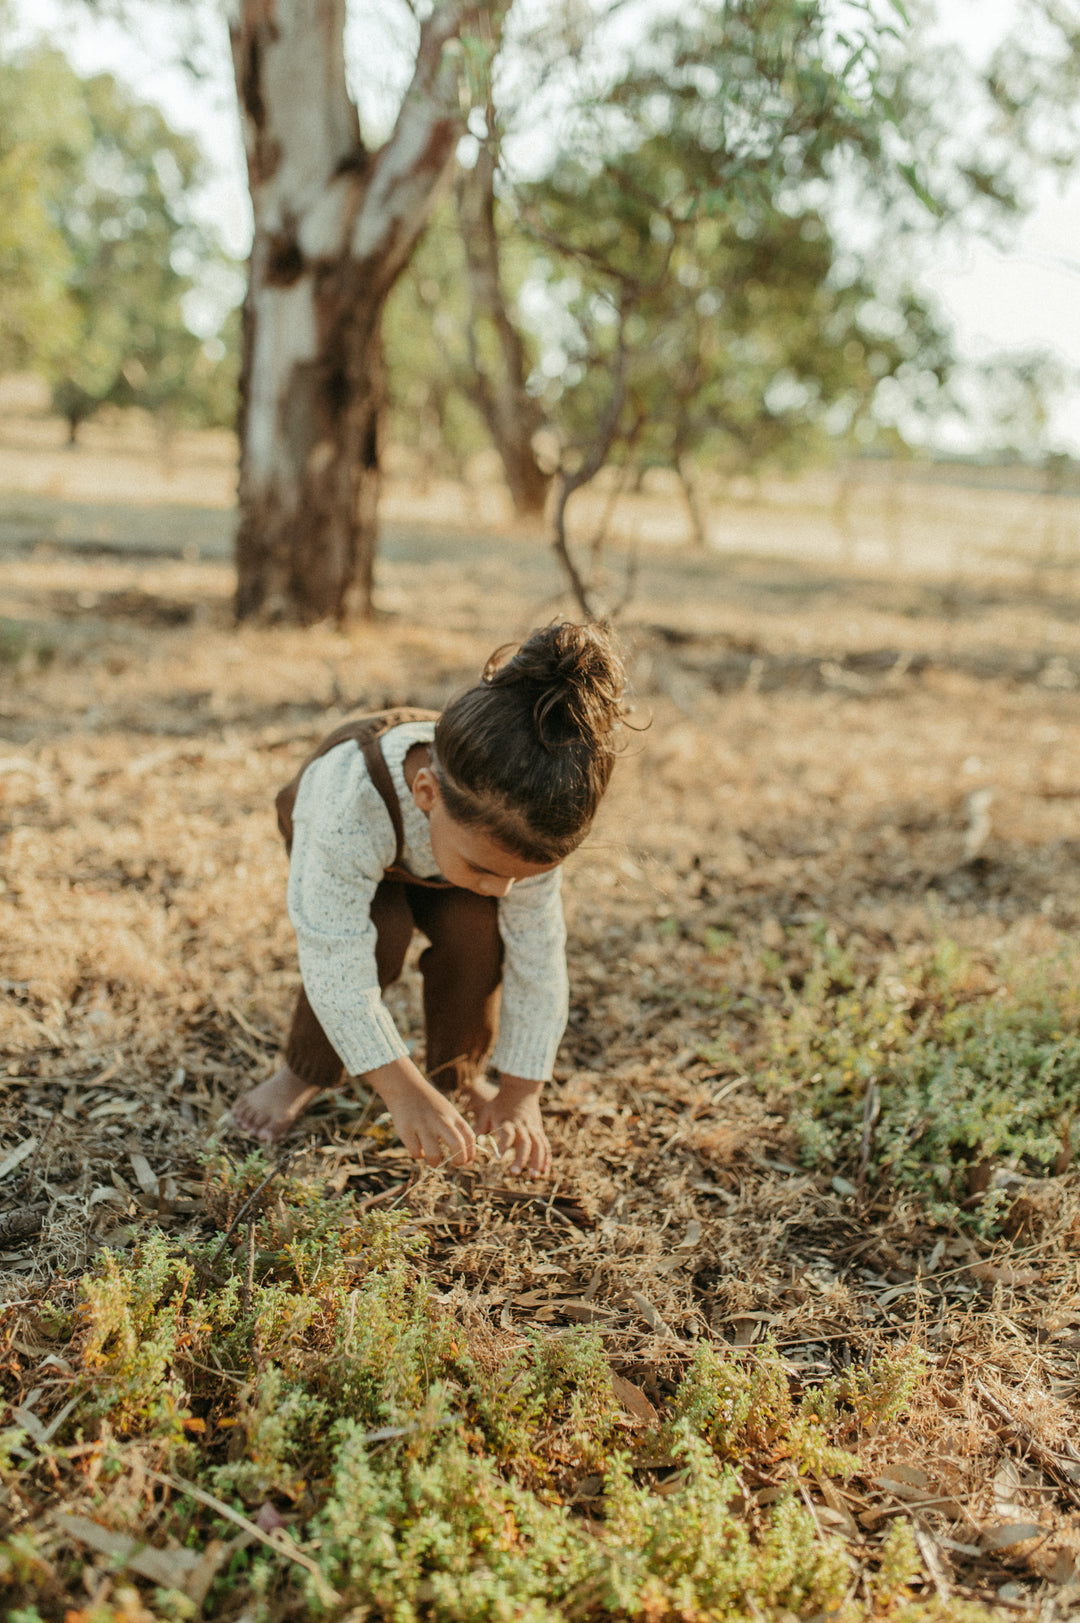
x: 523, y: 759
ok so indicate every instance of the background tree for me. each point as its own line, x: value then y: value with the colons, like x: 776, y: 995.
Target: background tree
x: 499, y: 354
x: 687, y: 291
x: 38, y: 141
x: 429, y: 410
x: 336, y: 222
x: 791, y: 96
x: 460, y: 358
x: 724, y: 251
x: 1034, y: 79
x: 102, y: 251
x: 136, y: 257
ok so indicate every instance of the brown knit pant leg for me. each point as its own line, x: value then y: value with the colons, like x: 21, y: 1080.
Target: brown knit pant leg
x: 308, y: 1050
x: 462, y: 972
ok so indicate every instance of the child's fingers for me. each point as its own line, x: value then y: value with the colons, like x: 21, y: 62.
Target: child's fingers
x: 468, y: 1137
x: 540, y: 1159
x: 504, y: 1136
x: 529, y: 1151
x: 527, y: 1146
x: 463, y: 1149
x: 517, y: 1144
x: 413, y: 1143
x: 431, y: 1149
x: 450, y: 1141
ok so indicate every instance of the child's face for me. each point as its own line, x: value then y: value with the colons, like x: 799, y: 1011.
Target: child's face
x: 466, y: 854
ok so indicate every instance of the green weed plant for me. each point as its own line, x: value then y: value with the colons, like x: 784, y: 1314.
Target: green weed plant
x: 420, y: 1473
x: 970, y: 1066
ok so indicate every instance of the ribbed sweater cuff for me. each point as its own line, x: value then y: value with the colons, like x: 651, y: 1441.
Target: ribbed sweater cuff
x: 374, y: 1041
x: 519, y: 1055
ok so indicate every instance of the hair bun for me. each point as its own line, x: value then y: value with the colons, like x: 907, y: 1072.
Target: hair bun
x: 527, y: 753
x: 577, y: 676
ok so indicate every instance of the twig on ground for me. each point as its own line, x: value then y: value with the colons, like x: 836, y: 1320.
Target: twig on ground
x: 1046, y: 1457
x: 871, y: 1112
x: 32, y: 1168
x: 327, y: 1595
x: 280, y: 1166
x: 252, y: 1031
x: 368, y: 1201
x: 249, y: 1271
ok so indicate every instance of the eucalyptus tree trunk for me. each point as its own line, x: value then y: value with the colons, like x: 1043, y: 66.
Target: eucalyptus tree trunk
x: 335, y: 225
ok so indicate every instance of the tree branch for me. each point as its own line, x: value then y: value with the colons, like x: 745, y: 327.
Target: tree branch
x: 570, y: 483
x: 406, y: 172
x: 498, y: 390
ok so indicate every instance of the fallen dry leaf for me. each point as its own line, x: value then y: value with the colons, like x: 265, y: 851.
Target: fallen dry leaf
x: 633, y: 1399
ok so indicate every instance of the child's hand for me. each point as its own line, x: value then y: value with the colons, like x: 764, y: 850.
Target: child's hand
x: 426, y: 1123
x: 513, y: 1117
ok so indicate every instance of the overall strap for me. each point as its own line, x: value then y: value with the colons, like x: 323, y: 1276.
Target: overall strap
x: 379, y: 773
x: 365, y: 731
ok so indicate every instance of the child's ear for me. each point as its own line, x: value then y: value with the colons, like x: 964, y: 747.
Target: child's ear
x: 425, y: 789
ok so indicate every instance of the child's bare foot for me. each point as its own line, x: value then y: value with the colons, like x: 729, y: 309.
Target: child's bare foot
x: 270, y: 1109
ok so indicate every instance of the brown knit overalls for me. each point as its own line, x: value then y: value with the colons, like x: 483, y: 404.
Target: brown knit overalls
x: 462, y: 968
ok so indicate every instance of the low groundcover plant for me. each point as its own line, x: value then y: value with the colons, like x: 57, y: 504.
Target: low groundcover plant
x: 302, y: 1427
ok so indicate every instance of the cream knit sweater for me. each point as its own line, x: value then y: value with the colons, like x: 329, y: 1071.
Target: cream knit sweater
x: 343, y: 843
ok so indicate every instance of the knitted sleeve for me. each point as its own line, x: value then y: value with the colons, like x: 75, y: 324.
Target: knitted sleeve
x: 536, y: 995
x: 343, y: 842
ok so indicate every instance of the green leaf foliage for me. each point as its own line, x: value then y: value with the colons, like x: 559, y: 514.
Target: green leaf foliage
x: 732, y: 210
x: 100, y: 256
x: 40, y: 137
x: 707, y: 205
x: 423, y: 1471
x: 972, y: 1066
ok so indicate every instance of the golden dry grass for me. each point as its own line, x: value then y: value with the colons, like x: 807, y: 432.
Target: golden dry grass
x: 124, y: 482
x: 148, y: 970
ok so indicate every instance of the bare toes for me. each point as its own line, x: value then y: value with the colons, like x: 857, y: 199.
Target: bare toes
x: 250, y: 1121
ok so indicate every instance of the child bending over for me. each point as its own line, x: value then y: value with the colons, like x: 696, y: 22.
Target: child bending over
x: 454, y: 825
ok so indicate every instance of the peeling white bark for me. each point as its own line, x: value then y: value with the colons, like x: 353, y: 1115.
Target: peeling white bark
x: 308, y: 124
x: 334, y: 226
x: 430, y: 110
x: 285, y: 336
x: 387, y: 201
x: 323, y: 228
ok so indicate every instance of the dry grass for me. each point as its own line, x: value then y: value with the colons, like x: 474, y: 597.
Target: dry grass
x: 123, y: 485
x: 149, y: 970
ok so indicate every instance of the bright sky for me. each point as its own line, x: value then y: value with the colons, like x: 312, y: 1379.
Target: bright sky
x: 1019, y: 298
x: 1027, y: 297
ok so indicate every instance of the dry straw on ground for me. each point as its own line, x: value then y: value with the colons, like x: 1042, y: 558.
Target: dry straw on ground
x: 820, y: 749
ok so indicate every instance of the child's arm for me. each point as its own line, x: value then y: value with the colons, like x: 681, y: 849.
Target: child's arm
x: 342, y: 844
x: 513, y: 1116
x: 426, y: 1122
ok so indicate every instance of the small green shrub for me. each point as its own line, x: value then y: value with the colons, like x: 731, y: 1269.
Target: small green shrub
x: 422, y: 1480
x: 551, y: 1402
x: 129, y: 1331
x: 899, y: 1563
x: 967, y: 1071
x: 742, y: 1406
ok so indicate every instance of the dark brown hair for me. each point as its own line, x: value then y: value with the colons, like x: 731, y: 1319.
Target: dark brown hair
x: 527, y: 753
